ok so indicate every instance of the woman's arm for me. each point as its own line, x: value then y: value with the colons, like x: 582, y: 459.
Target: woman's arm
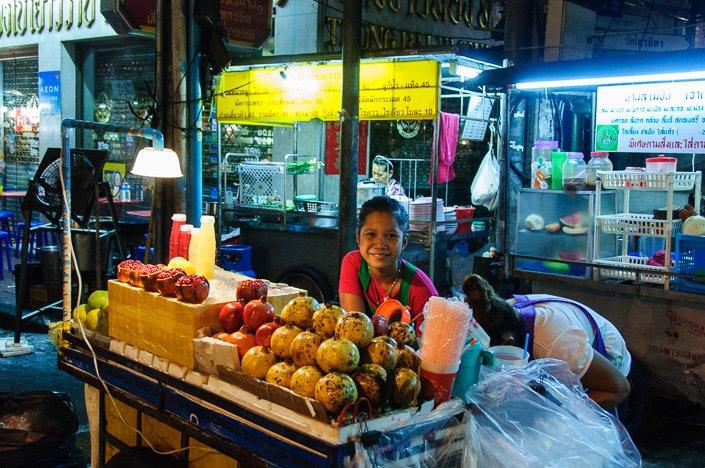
x: 352, y: 302
x: 604, y: 383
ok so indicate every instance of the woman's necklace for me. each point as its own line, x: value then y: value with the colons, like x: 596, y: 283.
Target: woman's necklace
x: 391, y: 288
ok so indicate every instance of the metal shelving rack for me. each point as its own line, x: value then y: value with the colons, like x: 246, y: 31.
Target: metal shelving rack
x: 629, y: 224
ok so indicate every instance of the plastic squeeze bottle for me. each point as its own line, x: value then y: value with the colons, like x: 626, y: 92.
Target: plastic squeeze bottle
x: 177, y: 220
x: 206, y: 247
x: 194, y: 254
x: 184, y: 240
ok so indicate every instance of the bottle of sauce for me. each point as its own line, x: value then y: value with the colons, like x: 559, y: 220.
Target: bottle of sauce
x: 194, y: 254
x: 206, y: 247
x: 541, y: 163
x: 177, y: 220
x: 599, y: 161
x: 574, y: 172
x: 184, y: 240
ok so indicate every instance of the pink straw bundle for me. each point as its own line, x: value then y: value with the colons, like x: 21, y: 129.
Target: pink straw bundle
x: 445, y: 330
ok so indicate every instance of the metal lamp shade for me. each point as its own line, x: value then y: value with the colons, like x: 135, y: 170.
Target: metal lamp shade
x: 161, y: 163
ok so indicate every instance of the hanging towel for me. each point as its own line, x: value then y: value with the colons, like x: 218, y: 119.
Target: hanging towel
x: 448, y: 144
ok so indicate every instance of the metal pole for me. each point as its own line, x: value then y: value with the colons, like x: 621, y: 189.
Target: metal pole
x: 434, y: 187
x: 349, y: 128
x: 195, y: 107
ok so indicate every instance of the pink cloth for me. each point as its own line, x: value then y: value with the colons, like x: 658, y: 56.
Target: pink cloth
x: 421, y: 289
x: 448, y: 144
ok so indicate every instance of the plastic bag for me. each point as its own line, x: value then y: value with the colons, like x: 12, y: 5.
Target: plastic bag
x: 437, y: 438
x: 485, y: 185
x: 27, y: 417
x: 539, y: 416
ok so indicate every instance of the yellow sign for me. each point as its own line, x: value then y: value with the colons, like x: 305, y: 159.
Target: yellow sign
x: 398, y: 90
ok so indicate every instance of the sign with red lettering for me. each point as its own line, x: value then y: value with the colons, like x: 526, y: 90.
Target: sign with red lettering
x: 332, y: 158
x: 248, y: 22
x: 127, y: 16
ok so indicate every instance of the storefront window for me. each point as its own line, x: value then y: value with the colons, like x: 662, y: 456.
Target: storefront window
x: 19, y: 114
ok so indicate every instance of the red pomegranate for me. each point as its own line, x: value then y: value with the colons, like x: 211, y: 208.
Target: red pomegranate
x: 124, y: 268
x: 166, y: 281
x: 230, y: 316
x: 148, y: 277
x: 258, y: 312
x: 136, y: 274
x: 249, y: 290
x: 243, y: 341
x: 192, y: 288
x: 263, y: 336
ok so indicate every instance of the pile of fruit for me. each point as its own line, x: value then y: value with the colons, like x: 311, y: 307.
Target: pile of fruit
x: 322, y: 352
x: 94, y: 313
x: 175, y: 280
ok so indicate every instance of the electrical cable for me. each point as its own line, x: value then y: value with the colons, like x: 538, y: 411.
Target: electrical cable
x: 74, y: 263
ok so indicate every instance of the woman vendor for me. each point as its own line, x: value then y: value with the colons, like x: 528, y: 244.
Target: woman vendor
x: 558, y: 328
x: 375, y: 271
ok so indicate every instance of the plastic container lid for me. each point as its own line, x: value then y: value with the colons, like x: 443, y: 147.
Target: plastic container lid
x: 551, y: 144
x: 206, y: 219
x: 186, y: 227
x: 178, y: 217
x: 575, y: 155
x: 661, y: 159
x: 599, y: 154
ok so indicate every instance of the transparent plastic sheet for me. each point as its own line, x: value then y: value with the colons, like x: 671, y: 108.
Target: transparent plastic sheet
x: 539, y: 416
x: 436, y: 438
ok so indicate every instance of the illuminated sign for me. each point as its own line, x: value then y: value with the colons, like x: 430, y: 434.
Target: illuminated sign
x: 651, y: 118
x: 405, y: 90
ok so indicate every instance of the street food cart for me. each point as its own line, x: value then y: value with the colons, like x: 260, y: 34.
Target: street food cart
x: 287, y: 207
x: 622, y: 247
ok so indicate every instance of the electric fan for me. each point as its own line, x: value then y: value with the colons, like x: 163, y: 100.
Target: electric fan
x: 44, y: 193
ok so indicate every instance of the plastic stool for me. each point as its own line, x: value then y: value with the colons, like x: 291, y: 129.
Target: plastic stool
x: 7, y: 224
x: 36, y: 239
x: 5, y: 250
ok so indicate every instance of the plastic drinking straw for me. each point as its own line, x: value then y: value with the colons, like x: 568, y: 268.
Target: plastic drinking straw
x: 526, y: 343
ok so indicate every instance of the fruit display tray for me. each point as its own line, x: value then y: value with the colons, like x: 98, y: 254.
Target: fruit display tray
x: 634, y: 224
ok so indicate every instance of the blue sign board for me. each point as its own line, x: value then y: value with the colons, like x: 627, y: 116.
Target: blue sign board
x: 49, y: 92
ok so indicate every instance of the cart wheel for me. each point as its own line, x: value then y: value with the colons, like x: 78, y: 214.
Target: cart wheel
x: 635, y: 411
x: 310, y: 279
x: 140, y: 457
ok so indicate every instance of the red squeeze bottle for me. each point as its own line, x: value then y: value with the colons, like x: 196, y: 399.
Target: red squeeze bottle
x: 177, y: 220
x: 184, y: 240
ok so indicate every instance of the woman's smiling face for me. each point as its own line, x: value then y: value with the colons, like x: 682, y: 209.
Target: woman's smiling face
x: 381, y: 241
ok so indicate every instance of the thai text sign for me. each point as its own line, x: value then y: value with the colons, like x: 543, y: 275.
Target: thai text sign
x: 650, y: 118
x: 20, y: 17
x: 388, y: 91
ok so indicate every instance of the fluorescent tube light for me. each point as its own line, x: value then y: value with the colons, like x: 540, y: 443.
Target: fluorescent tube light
x: 605, y: 80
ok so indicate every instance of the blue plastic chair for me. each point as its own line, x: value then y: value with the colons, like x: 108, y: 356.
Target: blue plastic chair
x: 36, y: 239
x: 5, y: 251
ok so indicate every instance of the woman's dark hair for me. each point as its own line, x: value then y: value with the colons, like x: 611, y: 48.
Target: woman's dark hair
x: 493, y: 313
x: 384, y: 204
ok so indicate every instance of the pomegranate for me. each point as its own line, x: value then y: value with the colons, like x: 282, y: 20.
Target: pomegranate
x: 383, y: 351
x: 356, y: 327
x: 136, y: 274
x: 193, y: 289
x: 282, y: 338
x: 243, y: 341
x: 263, y: 336
x: 299, y: 311
x: 230, y: 316
x: 338, y: 355
x: 303, y: 348
x: 370, y: 385
x: 407, y: 357
x: 304, y: 381
x: 403, y: 333
x: 148, y: 277
x: 258, y: 312
x: 124, y: 268
x: 280, y: 373
x: 334, y: 391
x: 324, y: 320
x: 166, y: 281
x: 406, y: 388
x: 249, y: 290
x: 222, y: 336
x: 380, y: 324
x: 257, y: 361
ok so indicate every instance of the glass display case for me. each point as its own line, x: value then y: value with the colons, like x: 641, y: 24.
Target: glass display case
x: 555, y: 226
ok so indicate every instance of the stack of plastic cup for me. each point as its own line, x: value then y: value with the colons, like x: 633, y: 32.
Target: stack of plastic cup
x: 445, y: 330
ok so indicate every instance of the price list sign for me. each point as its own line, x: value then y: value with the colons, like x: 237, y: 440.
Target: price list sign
x: 405, y: 90
x: 650, y: 118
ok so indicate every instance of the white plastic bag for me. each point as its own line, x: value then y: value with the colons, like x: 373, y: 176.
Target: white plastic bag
x: 485, y: 185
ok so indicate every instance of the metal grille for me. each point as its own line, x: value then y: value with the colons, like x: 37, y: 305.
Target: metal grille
x: 262, y: 185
